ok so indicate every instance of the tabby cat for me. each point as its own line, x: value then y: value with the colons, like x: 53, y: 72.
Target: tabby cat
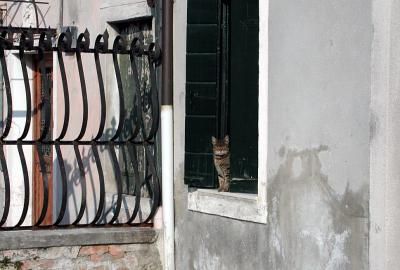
x: 221, y: 161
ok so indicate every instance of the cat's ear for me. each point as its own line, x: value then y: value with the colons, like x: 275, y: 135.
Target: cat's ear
x: 226, y: 139
x: 213, y: 140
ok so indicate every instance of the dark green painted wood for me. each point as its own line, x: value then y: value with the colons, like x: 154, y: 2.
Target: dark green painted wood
x: 243, y: 97
x: 202, y: 38
x: 201, y: 91
x: 199, y: 170
x: 202, y: 11
x: 199, y: 130
x: 245, y: 186
x: 201, y: 99
x: 201, y: 67
x: 224, y: 67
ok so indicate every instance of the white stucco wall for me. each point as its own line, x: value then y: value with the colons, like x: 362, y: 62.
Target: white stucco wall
x: 317, y: 117
x: 385, y: 134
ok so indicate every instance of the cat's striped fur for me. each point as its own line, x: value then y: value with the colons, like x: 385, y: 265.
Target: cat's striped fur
x: 222, y: 161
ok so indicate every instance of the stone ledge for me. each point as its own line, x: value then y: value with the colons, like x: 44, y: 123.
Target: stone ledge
x: 24, y: 239
x: 245, y: 207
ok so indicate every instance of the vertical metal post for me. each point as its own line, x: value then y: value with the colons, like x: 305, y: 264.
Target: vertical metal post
x: 167, y: 58
x: 36, y: 13
x: 167, y: 135
x: 61, y: 10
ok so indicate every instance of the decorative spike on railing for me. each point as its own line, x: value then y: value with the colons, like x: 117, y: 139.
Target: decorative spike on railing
x: 139, y: 141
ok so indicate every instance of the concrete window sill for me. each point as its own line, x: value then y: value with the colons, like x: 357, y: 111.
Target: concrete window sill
x: 23, y: 239
x: 246, y: 207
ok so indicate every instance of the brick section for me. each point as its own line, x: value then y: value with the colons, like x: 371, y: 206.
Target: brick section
x: 121, y: 257
x: 93, y: 250
x: 116, y: 252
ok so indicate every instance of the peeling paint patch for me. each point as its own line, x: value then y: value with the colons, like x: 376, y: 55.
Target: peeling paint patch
x: 309, y: 225
x: 338, y: 259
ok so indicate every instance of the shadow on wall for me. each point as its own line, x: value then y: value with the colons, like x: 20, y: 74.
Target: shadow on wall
x: 92, y: 181
x: 32, y: 15
x: 74, y: 182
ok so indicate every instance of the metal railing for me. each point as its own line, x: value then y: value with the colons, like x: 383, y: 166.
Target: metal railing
x: 142, y: 135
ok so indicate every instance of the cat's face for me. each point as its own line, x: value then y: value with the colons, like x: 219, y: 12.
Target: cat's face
x: 220, y: 147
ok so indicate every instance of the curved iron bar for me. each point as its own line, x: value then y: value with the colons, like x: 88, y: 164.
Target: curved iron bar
x: 133, y: 157
x: 64, y: 184
x: 82, y: 45
x: 4, y: 168
x: 100, y: 209
x: 83, y: 184
x: 101, y: 45
x: 73, y: 50
x: 45, y: 45
x: 155, y: 184
x: 136, y: 51
x: 64, y: 43
x: 36, y: 13
x: 45, y: 183
x: 69, y: 142
x: 131, y: 131
x: 6, y: 43
x: 118, y: 46
x: 26, y: 43
x: 118, y: 178
x: 26, y: 185
x: 155, y: 107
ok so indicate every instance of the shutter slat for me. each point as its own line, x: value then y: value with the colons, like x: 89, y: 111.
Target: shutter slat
x: 201, y: 99
x: 199, y: 130
x: 202, y: 11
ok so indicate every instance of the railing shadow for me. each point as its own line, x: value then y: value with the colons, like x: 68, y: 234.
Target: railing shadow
x: 127, y: 147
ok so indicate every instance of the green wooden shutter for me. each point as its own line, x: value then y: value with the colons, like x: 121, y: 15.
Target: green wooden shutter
x: 243, y: 100
x: 201, y: 91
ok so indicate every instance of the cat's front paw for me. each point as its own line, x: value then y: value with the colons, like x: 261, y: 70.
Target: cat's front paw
x: 223, y: 188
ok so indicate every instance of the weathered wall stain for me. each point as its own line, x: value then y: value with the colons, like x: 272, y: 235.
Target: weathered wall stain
x: 373, y: 126
x: 309, y: 225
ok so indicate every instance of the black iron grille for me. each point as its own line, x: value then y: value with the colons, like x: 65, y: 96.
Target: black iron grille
x: 142, y: 127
